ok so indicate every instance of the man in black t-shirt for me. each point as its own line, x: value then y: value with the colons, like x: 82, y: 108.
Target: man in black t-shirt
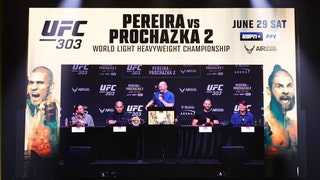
x: 205, y: 117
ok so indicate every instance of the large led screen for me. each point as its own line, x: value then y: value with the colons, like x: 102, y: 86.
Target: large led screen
x: 96, y: 56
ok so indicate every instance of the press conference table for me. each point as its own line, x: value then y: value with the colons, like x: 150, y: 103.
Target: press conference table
x: 164, y: 141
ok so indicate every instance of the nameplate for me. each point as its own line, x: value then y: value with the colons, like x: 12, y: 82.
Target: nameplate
x: 119, y: 128
x: 205, y: 129
x: 247, y: 129
x: 78, y: 129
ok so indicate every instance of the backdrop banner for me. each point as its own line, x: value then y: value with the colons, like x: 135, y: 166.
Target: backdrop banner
x: 97, y: 56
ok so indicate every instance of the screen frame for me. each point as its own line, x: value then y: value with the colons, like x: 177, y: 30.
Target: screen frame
x: 157, y: 110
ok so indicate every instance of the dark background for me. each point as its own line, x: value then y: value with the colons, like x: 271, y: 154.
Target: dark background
x: 14, y: 30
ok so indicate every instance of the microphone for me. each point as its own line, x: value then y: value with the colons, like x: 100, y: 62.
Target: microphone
x: 207, y: 123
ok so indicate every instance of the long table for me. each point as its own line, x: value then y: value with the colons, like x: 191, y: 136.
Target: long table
x: 158, y: 142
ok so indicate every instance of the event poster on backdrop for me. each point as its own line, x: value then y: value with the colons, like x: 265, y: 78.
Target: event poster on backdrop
x: 96, y: 56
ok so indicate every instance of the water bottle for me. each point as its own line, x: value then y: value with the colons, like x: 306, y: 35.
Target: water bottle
x: 66, y: 122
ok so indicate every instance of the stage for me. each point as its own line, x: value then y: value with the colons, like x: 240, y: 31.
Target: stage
x: 167, y: 168
x: 161, y: 151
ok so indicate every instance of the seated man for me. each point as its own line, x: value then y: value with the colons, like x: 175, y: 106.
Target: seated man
x: 205, y: 117
x: 119, y: 117
x: 242, y: 117
x: 81, y: 118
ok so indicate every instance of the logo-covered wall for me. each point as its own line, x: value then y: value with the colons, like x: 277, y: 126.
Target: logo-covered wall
x: 98, y: 87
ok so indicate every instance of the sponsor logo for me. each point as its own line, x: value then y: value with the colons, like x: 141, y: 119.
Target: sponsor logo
x: 183, y: 90
x: 106, y: 110
x: 183, y: 71
x: 259, y: 48
x: 189, y: 71
x: 249, y: 50
x: 214, y: 89
x: 266, y: 48
x: 107, y: 70
x: 58, y: 28
x: 236, y: 107
x: 134, y: 90
x: 66, y: 33
x: 80, y: 69
x: 135, y: 110
x: 134, y: 70
x: 77, y: 89
x: 271, y: 36
x: 217, y: 109
x: 187, y: 112
x: 187, y: 107
x: 242, y: 89
x: 251, y: 36
x: 242, y: 70
x: 108, y: 89
x: 214, y: 70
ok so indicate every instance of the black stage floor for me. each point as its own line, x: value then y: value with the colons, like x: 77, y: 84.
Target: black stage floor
x: 160, y: 168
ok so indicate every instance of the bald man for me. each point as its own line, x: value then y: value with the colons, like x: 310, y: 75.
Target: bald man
x: 119, y: 117
x: 162, y: 98
x: 41, y: 125
x: 41, y: 114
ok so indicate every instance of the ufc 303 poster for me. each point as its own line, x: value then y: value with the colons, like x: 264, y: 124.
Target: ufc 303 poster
x: 202, y: 51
